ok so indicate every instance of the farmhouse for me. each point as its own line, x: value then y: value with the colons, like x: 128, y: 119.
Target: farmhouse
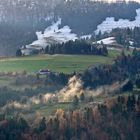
x: 44, y: 71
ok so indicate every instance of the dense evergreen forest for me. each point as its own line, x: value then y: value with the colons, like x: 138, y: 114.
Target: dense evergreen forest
x: 77, y: 47
x: 127, y: 37
x: 125, y: 66
x: 82, y: 16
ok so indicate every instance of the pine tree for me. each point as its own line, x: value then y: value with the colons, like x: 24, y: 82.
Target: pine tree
x: 75, y: 101
x: 23, y: 124
x: 82, y: 97
x: 131, y: 103
x: 137, y: 82
x: 42, y: 125
x: 18, y: 52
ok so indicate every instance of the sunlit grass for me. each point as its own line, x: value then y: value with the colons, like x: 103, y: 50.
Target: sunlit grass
x: 57, y: 63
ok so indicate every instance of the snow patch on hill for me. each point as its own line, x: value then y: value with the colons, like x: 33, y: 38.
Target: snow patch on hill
x: 107, y: 41
x: 110, y: 42
x: 110, y: 23
x: 54, y: 34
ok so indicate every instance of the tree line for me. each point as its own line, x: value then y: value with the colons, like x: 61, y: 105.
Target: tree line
x: 77, y: 47
x: 127, y: 37
x: 124, y: 67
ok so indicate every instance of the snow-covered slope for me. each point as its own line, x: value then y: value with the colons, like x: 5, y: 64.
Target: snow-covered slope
x: 110, y: 42
x: 110, y: 23
x: 107, y: 41
x: 53, y: 34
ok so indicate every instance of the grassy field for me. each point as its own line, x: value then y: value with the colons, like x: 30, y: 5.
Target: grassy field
x: 47, y: 110
x: 50, y: 109
x: 57, y: 63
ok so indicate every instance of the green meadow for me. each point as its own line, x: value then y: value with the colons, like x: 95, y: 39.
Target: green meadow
x: 57, y: 63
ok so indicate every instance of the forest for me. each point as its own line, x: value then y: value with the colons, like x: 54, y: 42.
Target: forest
x: 115, y: 119
x: 126, y: 36
x: 124, y: 66
x: 77, y: 47
x: 18, y: 29
x: 82, y: 89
